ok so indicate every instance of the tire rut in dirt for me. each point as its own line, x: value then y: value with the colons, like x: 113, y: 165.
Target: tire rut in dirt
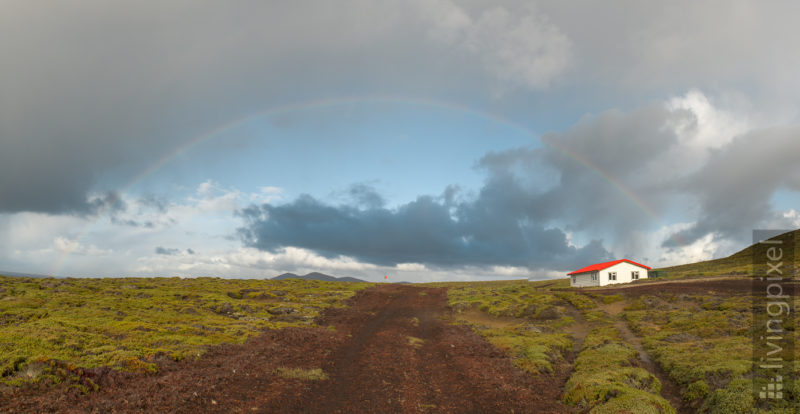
x: 405, y: 357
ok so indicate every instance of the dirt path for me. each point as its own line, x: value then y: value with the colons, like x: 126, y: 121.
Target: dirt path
x: 390, y: 351
x: 669, y: 390
x: 406, y: 358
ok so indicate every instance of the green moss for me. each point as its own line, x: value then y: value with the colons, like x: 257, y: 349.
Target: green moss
x: 719, y: 358
x: 517, y: 299
x: 634, y: 401
x: 534, y: 348
x: 696, y: 390
x: 577, y: 300
x: 606, y: 378
x: 704, y: 343
x: 564, y: 321
x: 611, y: 298
x: 601, y: 335
x: 736, y: 398
x: 129, y: 323
x: 314, y: 374
x: 533, y: 352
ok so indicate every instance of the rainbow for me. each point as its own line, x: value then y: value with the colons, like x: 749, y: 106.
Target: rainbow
x: 334, y: 102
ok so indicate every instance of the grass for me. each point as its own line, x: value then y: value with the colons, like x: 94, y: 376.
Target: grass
x: 65, y: 325
x: 314, y: 374
x: 532, y: 339
x: 415, y: 342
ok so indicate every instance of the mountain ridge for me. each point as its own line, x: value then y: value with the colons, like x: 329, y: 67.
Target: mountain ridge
x: 316, y: 276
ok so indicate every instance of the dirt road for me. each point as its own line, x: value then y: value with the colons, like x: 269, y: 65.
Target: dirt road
x: 391, y: 351
x: 405, y: 358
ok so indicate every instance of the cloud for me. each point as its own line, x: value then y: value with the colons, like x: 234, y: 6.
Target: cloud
x: 626, y: 175
x: 602, y: 175
x: 166, y: 251
x: 65, y: 245
x: 520, y: 46
x: 85, y: 109
x: 735, y: 187
x: 428, y: 231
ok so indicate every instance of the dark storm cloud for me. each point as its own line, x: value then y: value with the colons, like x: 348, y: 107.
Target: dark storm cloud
x: 96, y: 88
x: 429, y: 230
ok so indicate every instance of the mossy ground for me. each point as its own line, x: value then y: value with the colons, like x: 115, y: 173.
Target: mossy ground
x: 704, y: 342
x: 533, y: 337
x: 606, y: 376
x: 47, y: 325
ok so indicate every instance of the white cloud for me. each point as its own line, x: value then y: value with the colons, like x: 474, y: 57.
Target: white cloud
x: 793, y: 216
x: 646, y: 247
x: 707, y: 127
x: 215, y: 198
x: 267, y: 194
x: 68, y: 246
x: 410, y: 267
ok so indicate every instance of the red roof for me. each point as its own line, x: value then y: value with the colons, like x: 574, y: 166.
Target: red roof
x: 601, y: 266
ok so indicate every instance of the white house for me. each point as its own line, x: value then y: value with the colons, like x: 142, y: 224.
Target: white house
x: 601, y: 274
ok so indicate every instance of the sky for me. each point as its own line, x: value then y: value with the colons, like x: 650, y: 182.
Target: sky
x: 421, y: 140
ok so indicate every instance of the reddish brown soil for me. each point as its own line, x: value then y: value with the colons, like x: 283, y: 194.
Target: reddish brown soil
x: 374, y: 363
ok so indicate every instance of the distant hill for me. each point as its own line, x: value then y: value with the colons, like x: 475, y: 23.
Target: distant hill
x: 737, y: 264
x: 317, y: 276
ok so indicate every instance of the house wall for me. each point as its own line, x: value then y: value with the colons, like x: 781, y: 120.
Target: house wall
x: 623, y: 270
x: 584, y: 280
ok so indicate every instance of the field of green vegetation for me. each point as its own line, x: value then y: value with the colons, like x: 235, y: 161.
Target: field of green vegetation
x: 536, y: 343
x: 52, y: 328
x: 705, y: 344
x: 605, y: 377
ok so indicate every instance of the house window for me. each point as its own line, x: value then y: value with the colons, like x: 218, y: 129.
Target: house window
x: 634, y: 275
x: 594, y: 276
x: 573, y: 280
x: 612, y: 275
